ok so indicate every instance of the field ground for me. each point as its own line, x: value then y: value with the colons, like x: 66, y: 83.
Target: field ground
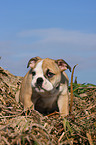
x: 32, y: 128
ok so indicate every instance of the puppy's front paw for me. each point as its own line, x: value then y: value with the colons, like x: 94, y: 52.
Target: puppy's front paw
x: 29, y: 106
x: 64, y: 114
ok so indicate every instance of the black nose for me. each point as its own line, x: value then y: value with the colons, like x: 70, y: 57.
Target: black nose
x: 39, y: 81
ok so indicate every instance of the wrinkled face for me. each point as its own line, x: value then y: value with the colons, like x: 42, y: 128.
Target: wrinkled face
x: 46, y: 76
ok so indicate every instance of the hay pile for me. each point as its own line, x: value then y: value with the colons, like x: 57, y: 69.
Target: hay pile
x: 19, y: 127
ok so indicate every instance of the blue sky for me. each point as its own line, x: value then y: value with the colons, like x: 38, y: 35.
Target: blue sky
x: 49, y: 28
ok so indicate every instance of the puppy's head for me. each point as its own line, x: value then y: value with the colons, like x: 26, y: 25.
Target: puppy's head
x: 46, y: 73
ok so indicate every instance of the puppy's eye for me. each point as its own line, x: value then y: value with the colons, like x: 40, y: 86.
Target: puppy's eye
x: 33, y: 73
x: 49, y: 74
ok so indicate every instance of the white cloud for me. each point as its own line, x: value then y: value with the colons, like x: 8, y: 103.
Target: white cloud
x: 61, y: 37
x: 73, y: 46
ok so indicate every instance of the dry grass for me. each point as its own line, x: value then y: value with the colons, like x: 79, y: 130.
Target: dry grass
x: 19, y: 127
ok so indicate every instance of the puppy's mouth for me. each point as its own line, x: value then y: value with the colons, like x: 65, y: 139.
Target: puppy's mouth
x: 39, y: 88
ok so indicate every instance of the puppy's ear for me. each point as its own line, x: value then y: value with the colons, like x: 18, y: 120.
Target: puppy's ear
x: 63, y: 65
x: 32, y: 61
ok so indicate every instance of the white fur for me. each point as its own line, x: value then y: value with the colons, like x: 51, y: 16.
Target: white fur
x: 46, y: 86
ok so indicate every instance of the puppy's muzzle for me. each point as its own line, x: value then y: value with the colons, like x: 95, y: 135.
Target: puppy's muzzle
x: 39, y: 82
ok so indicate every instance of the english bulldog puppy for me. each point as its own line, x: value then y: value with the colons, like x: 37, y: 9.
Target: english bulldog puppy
x: 45, y: 86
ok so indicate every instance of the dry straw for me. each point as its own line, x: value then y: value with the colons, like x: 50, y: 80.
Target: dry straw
x: 35, y: 129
